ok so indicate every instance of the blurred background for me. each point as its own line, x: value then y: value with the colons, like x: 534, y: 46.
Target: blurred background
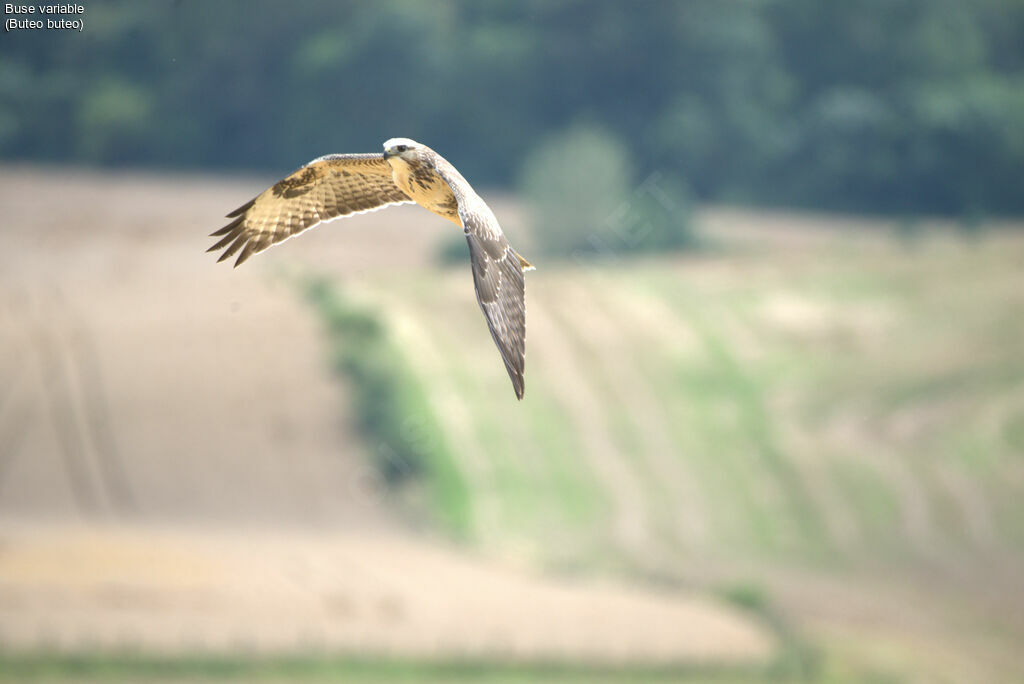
x: 774, y: 419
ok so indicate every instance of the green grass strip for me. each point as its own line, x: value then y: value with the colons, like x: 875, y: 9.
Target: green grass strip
x: 391, y: 407
x: 255, y: 668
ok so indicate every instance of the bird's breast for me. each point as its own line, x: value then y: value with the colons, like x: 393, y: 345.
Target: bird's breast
x: 427, y: 189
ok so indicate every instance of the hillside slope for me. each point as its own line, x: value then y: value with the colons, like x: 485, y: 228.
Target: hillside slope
x: 824, y: 410
x: 834, y: 398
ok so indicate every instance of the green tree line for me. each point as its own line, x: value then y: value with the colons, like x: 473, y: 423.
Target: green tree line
x: 875, y: 105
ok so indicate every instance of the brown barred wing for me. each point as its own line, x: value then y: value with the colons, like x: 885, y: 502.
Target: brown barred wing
x: 327, y: 188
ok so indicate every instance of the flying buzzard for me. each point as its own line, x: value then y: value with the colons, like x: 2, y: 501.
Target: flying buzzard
x: 340, y: 185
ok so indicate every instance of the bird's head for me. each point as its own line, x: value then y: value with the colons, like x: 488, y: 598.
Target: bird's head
x: 402, y: 148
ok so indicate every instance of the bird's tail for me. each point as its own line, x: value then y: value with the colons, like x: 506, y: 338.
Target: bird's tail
x: 524, y: 264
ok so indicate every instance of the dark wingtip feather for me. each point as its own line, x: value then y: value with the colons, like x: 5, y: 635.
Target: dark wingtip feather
x: 242, y: 209
x: 249, y: 250
x: 223, y: 242
x: 228, y: 228
x: 239, y: 242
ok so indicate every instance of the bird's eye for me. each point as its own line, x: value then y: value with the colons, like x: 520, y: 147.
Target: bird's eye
x: 402, y: 148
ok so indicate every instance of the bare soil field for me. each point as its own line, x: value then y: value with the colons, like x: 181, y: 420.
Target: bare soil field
x: 167, y: 425
x: 187, y: 591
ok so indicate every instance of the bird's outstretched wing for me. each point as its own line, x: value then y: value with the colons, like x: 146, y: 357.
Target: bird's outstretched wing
x: 326, y: 188
x: 497, y: 276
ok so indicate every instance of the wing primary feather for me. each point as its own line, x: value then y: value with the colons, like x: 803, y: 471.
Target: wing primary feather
x: 228, y: 228
x: 247, y: 251
x: 225, y: 241
x: 235, y: 246
x: 242, y: 209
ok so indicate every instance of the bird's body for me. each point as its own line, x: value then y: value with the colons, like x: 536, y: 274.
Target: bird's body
x: 340, y: 185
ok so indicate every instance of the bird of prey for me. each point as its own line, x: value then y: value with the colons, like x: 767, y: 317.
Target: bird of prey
x: 339, y: 185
